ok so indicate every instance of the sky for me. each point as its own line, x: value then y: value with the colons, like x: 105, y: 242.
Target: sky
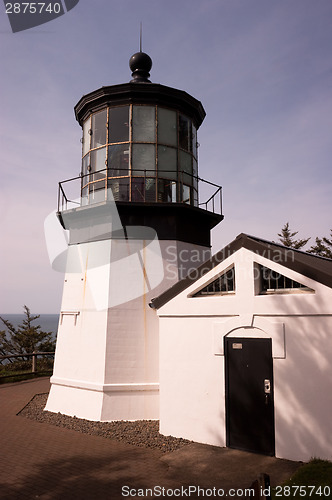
x: 262, y: 70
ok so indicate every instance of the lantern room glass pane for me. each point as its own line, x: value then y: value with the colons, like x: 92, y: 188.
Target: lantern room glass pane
x: 98, y: 127
x: 85, y: 196
x: 118, y: 160
x: 143, y: 189
x: 195, y: 197
x: 120, y: 188
x: 98, y: 159
x: 144, y: 124
x: 167, y: 191
x: 186, y: 194
x: 167, y: 130
x: 137, y: 189
x: 195, y: 168
x: 194, y: 137
x: 195, y: 174
x: 118, y: 124
x: 85, y: 167
x: 150, y: 190
x: 144, y: 160
x: 185, y: 138
x: 167, y: 164
x: 185, y: 167
x: 86, y: 136
x: 97, y: 192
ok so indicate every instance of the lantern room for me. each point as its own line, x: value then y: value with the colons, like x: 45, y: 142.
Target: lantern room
x: 140, y: 141
x: 142, y: 152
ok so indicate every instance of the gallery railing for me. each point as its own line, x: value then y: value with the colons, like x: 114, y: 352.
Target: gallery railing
x: 141, y: 186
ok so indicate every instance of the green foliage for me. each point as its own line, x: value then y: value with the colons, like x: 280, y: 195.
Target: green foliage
x: 26, y: 338
x: 328, y: 241
x: 315, y: 478
x: 323, y: 247
x: 286, y: 237
x: 21, y: 370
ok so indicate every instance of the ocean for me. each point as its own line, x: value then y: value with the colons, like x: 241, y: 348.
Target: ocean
x: 47, y: 322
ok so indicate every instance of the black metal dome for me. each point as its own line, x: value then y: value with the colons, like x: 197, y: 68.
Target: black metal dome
x: 140, y: 65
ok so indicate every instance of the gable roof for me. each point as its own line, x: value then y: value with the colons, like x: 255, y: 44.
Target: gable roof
x: 309, y: 265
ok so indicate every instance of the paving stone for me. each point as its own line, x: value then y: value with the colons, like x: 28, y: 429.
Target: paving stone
x: 46, y: 462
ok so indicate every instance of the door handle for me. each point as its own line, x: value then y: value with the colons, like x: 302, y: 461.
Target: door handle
x: 267, y: 390
x: 267, y: 386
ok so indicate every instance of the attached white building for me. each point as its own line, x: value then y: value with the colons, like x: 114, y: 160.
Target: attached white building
x: 245, y: 351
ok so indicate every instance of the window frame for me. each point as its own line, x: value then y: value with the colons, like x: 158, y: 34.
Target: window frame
x: 260, y: 269
x: 200, y: 291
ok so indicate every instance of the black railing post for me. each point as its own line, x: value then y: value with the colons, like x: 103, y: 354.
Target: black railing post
x: 144, y: 184
x: 181, y: 187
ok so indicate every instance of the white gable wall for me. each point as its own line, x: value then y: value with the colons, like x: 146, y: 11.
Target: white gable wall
x: 192, y: 384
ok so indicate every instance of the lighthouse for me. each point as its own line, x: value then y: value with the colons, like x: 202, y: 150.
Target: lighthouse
x: 135, y: 225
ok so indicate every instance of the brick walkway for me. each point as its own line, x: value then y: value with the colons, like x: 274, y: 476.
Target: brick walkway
x: 42, y: 461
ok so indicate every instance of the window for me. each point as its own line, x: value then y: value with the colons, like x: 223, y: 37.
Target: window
x: 186, y: 195
x: 86, y: 136
x: 98, y: 159
x: 98, y: 137
x: 167, y: 163
x: 167, y: 131
x: 120, y: 188
x: 144, y: 124
x: 194, y: 138
x: 118, y: 160
x: 268, y: 281
x: 166, y: 191
x: 143, y: 160
x: 86, y: 167
x: 186, y: 167
x: 118, y: 124
x: 185, y: 135
x: 224, y: 284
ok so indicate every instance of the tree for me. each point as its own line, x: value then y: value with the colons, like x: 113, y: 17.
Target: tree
x: 26, y: 338
x: 286, y: 237
x: 323, y: 247
x: 328, y: 242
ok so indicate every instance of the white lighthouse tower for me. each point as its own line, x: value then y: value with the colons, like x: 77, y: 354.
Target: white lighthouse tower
x: 135, y: 229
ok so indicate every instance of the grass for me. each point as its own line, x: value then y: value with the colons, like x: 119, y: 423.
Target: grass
x: 315, y: 477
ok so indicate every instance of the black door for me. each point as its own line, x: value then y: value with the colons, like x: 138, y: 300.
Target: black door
x: 249, y: 395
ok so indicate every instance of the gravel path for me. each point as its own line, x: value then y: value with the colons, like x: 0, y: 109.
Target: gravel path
x: 139, y: 433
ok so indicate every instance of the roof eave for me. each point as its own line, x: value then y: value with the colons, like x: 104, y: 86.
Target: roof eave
x: 287, y: 257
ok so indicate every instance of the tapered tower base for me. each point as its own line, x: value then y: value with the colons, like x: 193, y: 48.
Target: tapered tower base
x: 107, y: 355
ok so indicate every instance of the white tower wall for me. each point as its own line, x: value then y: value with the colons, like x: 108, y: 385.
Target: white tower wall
x: 106, y: 363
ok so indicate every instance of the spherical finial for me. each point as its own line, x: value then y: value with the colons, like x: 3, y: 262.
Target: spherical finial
x: 140, y: 65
